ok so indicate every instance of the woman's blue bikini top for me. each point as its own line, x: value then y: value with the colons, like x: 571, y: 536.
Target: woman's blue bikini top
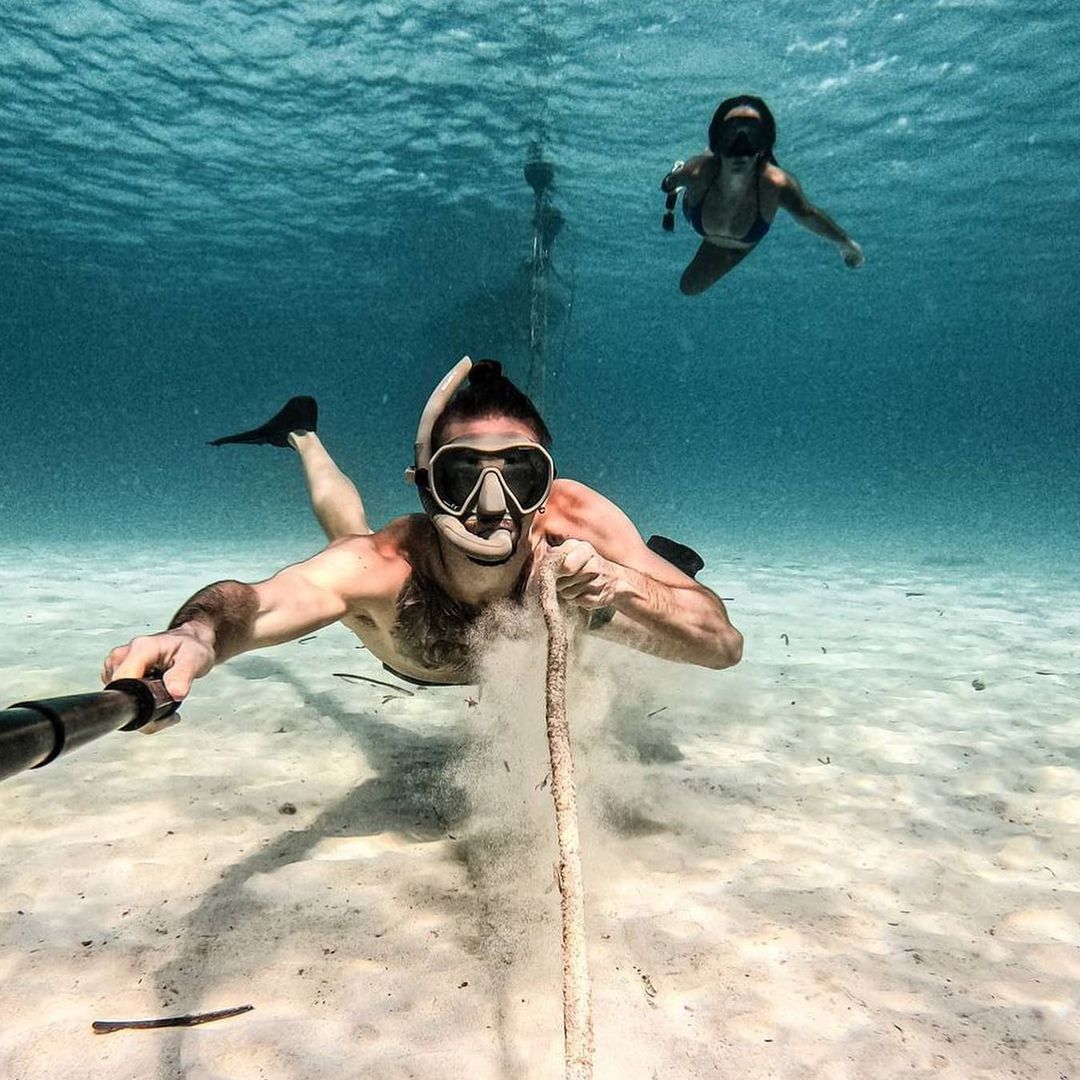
x: 755, y: 234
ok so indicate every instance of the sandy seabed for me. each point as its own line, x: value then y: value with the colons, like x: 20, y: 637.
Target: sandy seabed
x: 839, y: 860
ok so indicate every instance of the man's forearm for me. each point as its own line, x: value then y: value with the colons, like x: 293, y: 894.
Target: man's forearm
x: 687, y: 624
x: 222, y: 615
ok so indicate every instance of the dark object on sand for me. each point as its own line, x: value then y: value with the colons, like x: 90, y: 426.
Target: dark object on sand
x: 103, y: 1027
x: 373, y: 682
x: 299, y: 414
x: 35, y: 733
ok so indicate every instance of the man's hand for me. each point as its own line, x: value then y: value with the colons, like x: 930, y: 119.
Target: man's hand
x: 583, y: 577
x: 852, y: 255
x: 183, y: 654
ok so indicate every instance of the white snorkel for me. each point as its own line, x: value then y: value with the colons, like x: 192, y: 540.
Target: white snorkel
x: 496, y: 548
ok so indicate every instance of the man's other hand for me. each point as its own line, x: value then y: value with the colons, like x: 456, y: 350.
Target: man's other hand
x: 584, y: 577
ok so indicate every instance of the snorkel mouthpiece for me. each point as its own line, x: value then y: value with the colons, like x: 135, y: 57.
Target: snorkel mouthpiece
x: 493, y: 549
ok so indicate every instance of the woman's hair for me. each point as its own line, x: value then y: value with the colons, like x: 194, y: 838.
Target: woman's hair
x: 488, y: 392
x: 768, y: 122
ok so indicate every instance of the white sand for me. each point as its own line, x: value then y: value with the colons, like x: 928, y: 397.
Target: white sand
x: 838, y: 860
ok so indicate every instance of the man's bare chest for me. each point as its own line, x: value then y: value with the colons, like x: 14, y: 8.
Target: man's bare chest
x: 423, y: 633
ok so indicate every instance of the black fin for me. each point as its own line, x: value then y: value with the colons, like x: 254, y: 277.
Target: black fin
x: 299, y: 414
x: 679, y: 555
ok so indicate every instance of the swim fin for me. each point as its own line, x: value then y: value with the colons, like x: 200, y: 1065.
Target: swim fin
x: 679, y: 555
x: 299, y: 414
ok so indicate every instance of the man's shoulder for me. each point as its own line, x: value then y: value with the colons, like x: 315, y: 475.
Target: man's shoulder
x: 379, y: 561
x: 392, y: 541
x: 569, y: 494
x: 578, y: 512
x: 402, y: 537
x: 579, y: 505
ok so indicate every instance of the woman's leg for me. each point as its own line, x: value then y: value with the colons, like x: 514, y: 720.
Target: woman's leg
x: 708, y: 266
x: 334, y: 498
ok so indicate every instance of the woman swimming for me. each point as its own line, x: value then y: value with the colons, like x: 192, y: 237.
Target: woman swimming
x: 731, y: 194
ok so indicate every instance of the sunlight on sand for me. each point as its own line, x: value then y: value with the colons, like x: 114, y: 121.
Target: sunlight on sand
x: 840, y: 860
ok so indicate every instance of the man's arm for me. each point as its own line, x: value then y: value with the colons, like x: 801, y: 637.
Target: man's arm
x: 795, y: 202
x: 231, y: 617
x: 658, y: 609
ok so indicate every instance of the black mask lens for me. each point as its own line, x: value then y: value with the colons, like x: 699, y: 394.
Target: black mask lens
x: 527, y: 474
x: 741, y: 137
x: 454, y: 475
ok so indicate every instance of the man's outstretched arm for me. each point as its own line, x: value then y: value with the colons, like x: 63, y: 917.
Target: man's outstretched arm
x: 231, y: 617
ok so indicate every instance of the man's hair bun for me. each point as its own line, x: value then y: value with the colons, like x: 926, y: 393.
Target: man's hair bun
x: 488, y: 393
x: 485, y: 371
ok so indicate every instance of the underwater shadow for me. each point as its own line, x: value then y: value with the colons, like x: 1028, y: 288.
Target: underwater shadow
x: 637, y: 741
x: 411, y: 796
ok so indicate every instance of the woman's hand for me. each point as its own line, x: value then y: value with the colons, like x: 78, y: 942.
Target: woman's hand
x: 673, y: 178
x: 852, y: 255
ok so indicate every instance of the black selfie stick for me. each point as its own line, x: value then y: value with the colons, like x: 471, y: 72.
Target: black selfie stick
x: 35, y: 733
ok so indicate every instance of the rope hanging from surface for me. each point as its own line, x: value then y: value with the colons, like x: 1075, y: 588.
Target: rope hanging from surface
x: 577, y: 998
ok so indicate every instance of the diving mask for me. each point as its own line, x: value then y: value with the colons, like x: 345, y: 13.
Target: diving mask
x: 458, y: 472
x: 742, y: 136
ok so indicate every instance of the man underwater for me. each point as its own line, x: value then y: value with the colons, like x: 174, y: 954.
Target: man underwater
x: 410, y: 591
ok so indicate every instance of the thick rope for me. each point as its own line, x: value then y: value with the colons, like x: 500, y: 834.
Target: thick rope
x: 577, y: 1003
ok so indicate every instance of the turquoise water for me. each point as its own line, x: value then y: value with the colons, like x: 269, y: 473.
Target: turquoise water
x: 208, y: 207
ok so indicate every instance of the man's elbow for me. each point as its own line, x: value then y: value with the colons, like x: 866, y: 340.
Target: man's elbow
x: 727, y: 649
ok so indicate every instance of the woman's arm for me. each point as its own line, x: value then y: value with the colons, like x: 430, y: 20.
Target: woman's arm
x: 682, y: 173
x: 795, y: 202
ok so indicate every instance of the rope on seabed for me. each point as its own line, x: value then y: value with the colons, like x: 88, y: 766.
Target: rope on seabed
x: 577, y: 1002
